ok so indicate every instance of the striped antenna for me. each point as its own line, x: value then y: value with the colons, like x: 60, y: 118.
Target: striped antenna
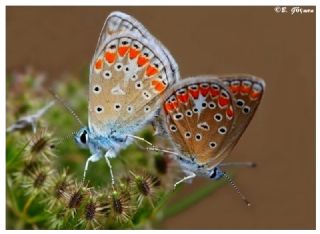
x: 67, y: 107
x: 67, y: 137
x: 237, y: 189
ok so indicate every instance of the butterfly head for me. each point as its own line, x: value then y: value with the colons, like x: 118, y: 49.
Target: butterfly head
x: 215, y: 173
x: 82, y: 137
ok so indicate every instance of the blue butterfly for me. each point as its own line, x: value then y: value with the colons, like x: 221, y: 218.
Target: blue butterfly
x: 129, y: 73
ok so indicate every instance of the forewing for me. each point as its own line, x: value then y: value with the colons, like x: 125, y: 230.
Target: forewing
x: 117, y: 23
x: 247, y: 92
x: 127, y: 80
x: 198, y: 116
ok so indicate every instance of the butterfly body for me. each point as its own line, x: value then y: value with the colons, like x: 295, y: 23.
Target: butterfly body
x: 189, y: 165
x: 101, y: 143
x: 205, y: 116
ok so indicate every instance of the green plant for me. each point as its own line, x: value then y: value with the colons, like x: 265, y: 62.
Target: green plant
x: 43, y: 170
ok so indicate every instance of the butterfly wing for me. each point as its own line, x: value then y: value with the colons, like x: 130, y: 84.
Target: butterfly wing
x: 247, y: 91
x: 128, y: 75
x: 198, y: 115
x: 119, y: 22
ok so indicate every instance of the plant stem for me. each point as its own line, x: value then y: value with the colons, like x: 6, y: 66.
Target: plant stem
x: 28, y: 203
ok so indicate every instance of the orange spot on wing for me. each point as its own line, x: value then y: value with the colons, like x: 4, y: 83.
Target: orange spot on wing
x: 235, y: 88
x: 123, y: 50
x: 99, y: 64
x: 170, y: 106
x: 151, y: 70
x: 183, y: 98
x: 110, y: 57
x: 254, y: 94
x: 245, y: 89
x: 142, y: 61
x: 214, y: 92
x: 194, y: 93
x: 158, y: 85
x: 229, y: 112
x: 204, y: 91
x: 133, y: 53
x: 223, y: 101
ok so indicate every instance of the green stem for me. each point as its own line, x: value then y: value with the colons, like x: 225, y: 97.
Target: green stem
x: 28, y: 203
x: 14, y: 158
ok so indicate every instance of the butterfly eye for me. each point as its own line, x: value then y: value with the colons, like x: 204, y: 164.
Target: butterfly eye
x: 99, y: 109
x: 240, y: 103
x: 246, y: 109
x: 198, y: 137
x: 84, y: 137
x: 218, y: 117
x: 96, y: 89
x: 195, y: 110
x: 173, y: 128
x: 222, y: 130
x: 107, y: 75
x: 212, y: 144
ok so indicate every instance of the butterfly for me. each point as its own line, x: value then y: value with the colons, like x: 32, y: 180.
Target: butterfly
x: 205, y: 116
x: 129, y: 73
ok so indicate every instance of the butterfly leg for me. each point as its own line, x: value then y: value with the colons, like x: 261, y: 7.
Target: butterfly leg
x: 190, y: 175
x: 110, y: 154
x: 152, y: 146
x: 93, y: 158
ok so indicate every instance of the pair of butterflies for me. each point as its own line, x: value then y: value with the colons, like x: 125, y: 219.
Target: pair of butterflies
x: 133, y: 78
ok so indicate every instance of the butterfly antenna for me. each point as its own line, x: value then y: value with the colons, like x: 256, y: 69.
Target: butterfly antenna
x: 237, y: 189
x: 63, y: 139
x: 67, y: 107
